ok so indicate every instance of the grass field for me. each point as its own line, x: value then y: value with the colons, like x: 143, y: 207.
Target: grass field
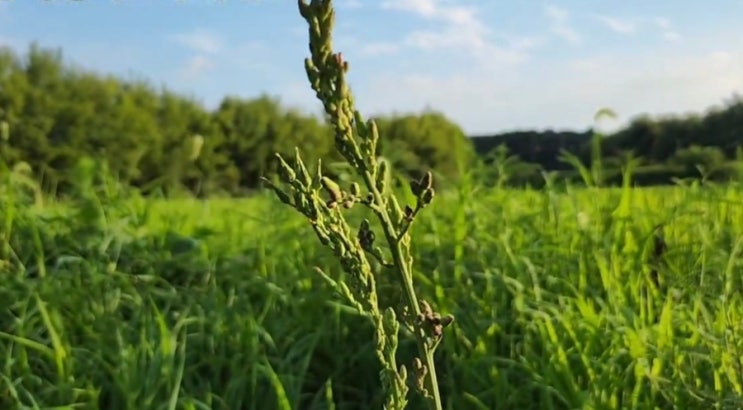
x: 187, y: 304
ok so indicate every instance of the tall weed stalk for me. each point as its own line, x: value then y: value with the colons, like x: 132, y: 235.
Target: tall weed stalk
x: 356, y: 140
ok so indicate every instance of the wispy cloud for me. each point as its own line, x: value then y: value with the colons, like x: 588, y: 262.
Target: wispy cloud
x: 666, y: 29
x: 586, y: 65
x: 657, y: 82
x: 629, y: 26
x: 425, y: 8
x: 197, y: 66
x: 205, y: 46
x: 485, y: 64
x: 351, y: 4
x: 460, y: 25
x: 459, y: 28
x: 376, y: 49
x: 617, y: 25
x: 560, y: 24
x: 200, y: 41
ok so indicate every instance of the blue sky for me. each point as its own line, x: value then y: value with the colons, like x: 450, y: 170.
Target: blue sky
x: 490, y: 65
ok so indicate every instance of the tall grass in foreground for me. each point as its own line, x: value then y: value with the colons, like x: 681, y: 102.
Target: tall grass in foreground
x: 116, y: 302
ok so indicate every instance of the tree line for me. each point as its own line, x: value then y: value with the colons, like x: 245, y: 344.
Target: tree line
x: 153, y: 138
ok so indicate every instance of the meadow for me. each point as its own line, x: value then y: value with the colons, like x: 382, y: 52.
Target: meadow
x: 115, y: 301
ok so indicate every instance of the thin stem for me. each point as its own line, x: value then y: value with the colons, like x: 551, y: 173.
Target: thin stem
x: 406, y: 277
x: 408, y: 225
x: 326, y: 72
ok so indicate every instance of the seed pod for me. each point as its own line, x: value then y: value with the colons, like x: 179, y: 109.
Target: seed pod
x: 324, y: 240
x: 366, y: 235
x: 389, y: 320
x: 436, y: 318
x: 355, y: 190
x: 392, y: 328
x: 283, y: 196
x: 403, y: 372
x: 374, y: 132
x: 299, y: 200
x: 438, y: 331
x: 415, y: 188
x: 304, y: 10
x: 332, y: 188
x: 382, y: 175
x: 361, y: 126
x: 285, y: 171
x: 367, y: 240
x: 420, y: 374
x: 427, y: 196
x: 417, y: 364
x: 301, y: 169
x: 426, y: 309
x: 408, y: 212
x: 340, y: 247
x: 426, y: 181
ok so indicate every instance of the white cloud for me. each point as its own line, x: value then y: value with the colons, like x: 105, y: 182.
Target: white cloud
x: 560, y: 24
x: 617, y: 25
x: 666, y: 29
x: 723, y: 57
x: 351, y: 4
x: 244, y: 58
x: 425, y: 8
x: 200, y: 41
x: 376, y: 49
x: 567, y: 95
x: 197, y: 66
x: 585, y: 65
x: 663, y: 22
x: 629, y: 26
x: 460, y: 29
x: 671, y: 35
x: 523, y: 42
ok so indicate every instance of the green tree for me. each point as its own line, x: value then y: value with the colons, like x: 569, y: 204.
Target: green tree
x: 427, y: 141
x: 13, y: 88
x: 253, y: 130
x: 694, y: 157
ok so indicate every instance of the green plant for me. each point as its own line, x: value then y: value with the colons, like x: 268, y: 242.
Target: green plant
x: 357, y: 140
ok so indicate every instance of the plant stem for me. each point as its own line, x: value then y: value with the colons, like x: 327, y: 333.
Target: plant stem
x: 406, y: 279
x: 326, y: 72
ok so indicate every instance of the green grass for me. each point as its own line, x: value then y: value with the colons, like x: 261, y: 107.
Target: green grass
x: 188, y: 304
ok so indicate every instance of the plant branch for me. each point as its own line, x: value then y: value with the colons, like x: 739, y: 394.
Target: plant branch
x: 356, y: 140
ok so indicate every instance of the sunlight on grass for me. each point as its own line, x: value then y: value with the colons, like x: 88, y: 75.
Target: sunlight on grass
x: 214, y: 305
